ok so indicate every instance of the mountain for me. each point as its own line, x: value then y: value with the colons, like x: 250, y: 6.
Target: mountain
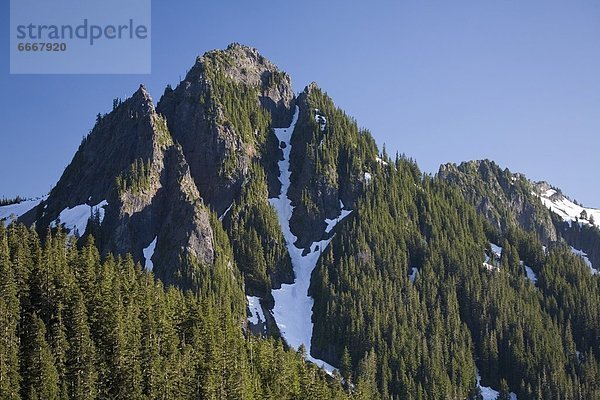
x: 507, y: 199
x: 130, y: 172
x: 504, y: 198
x: 567, y: 209
x: 221, y: 113
x: 261, y: 211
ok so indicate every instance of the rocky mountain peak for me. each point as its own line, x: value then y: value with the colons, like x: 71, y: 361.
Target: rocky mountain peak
x: 222, y: 114
x: 130, y: 133
x: 501, y: 196
x: 311, y: 87
x: 142, y: 99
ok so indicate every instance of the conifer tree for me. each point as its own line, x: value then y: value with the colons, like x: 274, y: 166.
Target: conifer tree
x: 40, y: 378
x: 10, y: 379
x: 504, y: 393
x: 81, y: 376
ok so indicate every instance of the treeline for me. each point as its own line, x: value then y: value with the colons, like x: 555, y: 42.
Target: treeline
x: 6, y: 201
x: 78, y: 327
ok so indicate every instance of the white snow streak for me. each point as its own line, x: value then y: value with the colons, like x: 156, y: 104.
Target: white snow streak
x: 225, y: 212
x: 413, y: 274
x: 530, y: 274
x: 256, y: 311
x: 293, y: 306
x: 148, y: 253
x: 331, y: 223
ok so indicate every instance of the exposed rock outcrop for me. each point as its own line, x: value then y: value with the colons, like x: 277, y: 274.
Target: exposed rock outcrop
x: 131, y: 161
x: 221, y: 114
x: 501, y: 197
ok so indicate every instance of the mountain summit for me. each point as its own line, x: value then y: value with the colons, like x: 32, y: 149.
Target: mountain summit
x: 278, y: 214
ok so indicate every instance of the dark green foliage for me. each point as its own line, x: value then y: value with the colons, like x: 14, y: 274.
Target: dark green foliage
x: 414, y: 332
x: 504, y: 393
x: 136, y: 179
x: 427, y: 336
x: 571, y: 296
x: 580, y: 236
x: 85, y: 329
x: 258, y: 244
x: 475, y: 393
x: 9, y: 320
x: 6, y: 201
x: 327, y: 166
x: 236, y: 105
x: 40, y: 377
x: 505, y: 199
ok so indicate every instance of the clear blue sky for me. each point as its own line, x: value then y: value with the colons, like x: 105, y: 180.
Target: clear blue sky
x: 514, y: 81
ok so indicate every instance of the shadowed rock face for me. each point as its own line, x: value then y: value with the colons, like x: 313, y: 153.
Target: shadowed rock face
x: 199, y: 122
x: 118, y: 139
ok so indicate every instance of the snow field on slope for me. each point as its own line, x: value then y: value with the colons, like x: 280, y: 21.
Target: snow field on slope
x: 530, y: 274
x: 293, y: 305
x: 75, y: 219
x: 18, y: 209
x: 585, y: 258
x: 488, y: 393
x: 568, y: 210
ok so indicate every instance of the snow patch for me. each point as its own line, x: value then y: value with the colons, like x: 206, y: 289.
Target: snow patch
x: 413, y: 274
x: 492, y: 262
x: 256, y: 312
x: 568, y: 210
x: 497, y: 250
x: 7, y: 213
x: 75, y: 219
x: 293, y: 305
x: 148, y: 253
x: 585, y: 258
x: 530, y: 274
x: 381, y: 161
x: 320, y: 119
x: 368, y: 176
x: 488, y: 393
x: 331, y: 223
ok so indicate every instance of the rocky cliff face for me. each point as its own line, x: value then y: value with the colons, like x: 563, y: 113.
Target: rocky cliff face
x: 119, y: 138
x: 501, y: 196
x: 221, y: 114
x: 130, y: 163
x: 145, y: 181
